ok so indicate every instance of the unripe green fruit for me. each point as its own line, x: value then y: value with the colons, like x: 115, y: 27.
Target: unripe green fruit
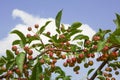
x: 109, y: 75
x: 76, y: 68
x: 116, y: 72
x: 86, y: 65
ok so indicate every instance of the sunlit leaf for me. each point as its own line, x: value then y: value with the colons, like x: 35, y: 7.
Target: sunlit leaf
x: 21, y: 35
x: 75, y: 25
x: 79, y: 37
x: 36, y: 72
x: 16, y: 42
x: 101, y: 77
x: 117, y: 21
x: 43, y: 27
x: 58, y: 19
x: 101, y: 45
x: 20, y: 60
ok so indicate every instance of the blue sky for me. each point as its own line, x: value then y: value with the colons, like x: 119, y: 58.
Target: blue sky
x: 96, y: 13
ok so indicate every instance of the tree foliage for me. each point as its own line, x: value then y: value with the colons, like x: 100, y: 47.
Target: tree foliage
x: 19, y: 62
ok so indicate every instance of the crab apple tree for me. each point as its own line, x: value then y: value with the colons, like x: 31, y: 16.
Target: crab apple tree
x: 20, y: 63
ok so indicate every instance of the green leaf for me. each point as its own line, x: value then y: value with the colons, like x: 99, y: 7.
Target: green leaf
x: 58, y: 19
x: 9, y: 54
x: 32, y: 38
x: 115, y: 39
x: 117, y: 21
x: 75, y: 25
x: 43, y: 27
x: 67, y: 78
x: 20, y: 60
x: 101, y: 45
x: 36, y: 72
x: 21, y: 35
x: 10, y: 64
x: 16, y: 42
x: 2, y: 61
x: 101, y: 77
x: 102, y: 33
x: 73, y: 32
x: 99, y: 72
x: 80, y: 36
x: 90, y: 71
x: 59, y: 71
x: 73, y: 48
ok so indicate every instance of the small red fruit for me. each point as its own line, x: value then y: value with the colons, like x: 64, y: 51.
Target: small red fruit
x: 10, y: 72
x: 74, y: 59
x: 30, y: 57
x: 96, y: 38
x: 50, y: 53
x: 65, y: 64
x: 81, y: 56
x: 30, y: 52
x: 62, y: 36
x: 29, y: 28
x: 36, y: 26
x: 14, y: 48
x: 26, y: 48
x: 105, y: 48
x: 42, y: 61
x: 48, y: 33
x: 54, y: 61
x: 68, y: 61
x: 17, y: 52
x: 17, y: 71
x: 87, y: 42
x: 28, y: 35
x: 63, y: 56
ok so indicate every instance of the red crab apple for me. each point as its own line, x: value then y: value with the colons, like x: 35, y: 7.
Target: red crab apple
x: 29, y: 28
x: 36, y: 26
x: 14, y: 48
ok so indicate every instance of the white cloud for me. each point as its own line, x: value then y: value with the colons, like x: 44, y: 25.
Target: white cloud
x: 30, y: 20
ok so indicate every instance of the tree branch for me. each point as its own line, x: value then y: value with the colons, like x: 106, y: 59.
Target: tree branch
x: 99, y: 69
